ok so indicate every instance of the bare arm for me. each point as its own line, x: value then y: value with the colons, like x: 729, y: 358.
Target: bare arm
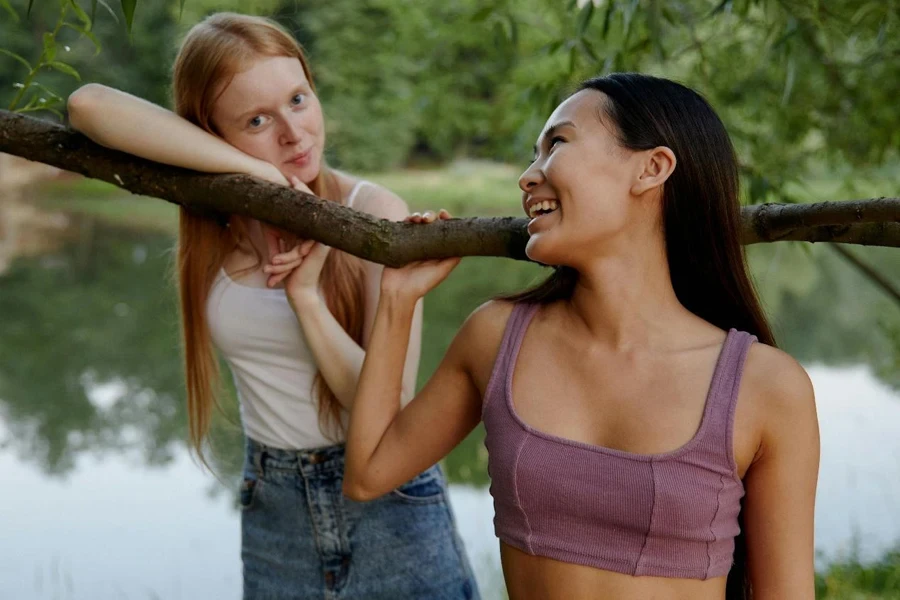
x: 124, y: 122
x: 338, y: 357
x: 781, y: 481
x: 386, y: 445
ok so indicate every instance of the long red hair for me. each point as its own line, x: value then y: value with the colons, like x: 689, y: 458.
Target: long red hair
x: 213, y: 51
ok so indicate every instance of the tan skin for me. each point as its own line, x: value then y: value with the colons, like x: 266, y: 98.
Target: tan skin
x: 621, y: 365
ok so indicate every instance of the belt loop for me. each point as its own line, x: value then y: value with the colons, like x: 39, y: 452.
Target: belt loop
x: 259, y: 459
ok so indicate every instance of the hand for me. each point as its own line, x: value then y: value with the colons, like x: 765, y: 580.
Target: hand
x: 295, y: 261
x: 418, y: 278
x: 268, y: 172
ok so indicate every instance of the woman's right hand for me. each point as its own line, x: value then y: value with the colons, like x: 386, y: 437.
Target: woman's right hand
x: 418, y: 278
x: 269, y: 172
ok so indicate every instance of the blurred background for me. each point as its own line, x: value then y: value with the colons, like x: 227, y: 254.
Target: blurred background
x: 441, y: 102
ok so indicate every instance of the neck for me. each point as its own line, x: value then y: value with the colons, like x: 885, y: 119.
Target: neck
x: 626, y: 299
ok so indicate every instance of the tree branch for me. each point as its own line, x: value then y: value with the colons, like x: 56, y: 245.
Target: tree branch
x: 873, y: 222
x: 868, y: 271
x: 868, y: 222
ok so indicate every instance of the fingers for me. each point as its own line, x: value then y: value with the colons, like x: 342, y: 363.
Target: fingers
x: 282, y: 268
x: 299, y: 185
x: 428, y: 217
x: 292, y: 254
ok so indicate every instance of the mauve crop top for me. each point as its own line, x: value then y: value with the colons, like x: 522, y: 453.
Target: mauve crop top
x: 669, y: 515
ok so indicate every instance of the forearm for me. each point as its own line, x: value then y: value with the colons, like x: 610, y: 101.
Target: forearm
x: 130, y: 124
x: 338, y: 357
x: 378, y: 394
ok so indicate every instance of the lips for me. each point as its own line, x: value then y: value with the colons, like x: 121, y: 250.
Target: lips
x: 300, y: 159
x: 536, y: 207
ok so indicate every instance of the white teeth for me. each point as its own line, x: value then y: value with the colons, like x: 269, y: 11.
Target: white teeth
x: 544, y: 205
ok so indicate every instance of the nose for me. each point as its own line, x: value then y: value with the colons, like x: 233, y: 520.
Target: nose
x: 291, y: 132
x: 531, y: 178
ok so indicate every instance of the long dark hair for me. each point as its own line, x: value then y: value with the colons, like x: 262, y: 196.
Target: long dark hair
x: 701, y: 219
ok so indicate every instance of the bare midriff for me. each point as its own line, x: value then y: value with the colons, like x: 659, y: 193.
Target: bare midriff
x: 538, y: 578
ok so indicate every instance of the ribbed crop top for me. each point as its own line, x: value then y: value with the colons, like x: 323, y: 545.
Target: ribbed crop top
x: 670, y: 515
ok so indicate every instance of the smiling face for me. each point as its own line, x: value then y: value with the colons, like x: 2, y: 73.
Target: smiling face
x: 270, y: 112
x: 578, y: 190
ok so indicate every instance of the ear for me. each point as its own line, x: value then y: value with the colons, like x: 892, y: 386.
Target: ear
x: 657, y: 165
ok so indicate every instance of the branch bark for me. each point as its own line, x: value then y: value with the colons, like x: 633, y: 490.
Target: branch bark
x: 867, y: 222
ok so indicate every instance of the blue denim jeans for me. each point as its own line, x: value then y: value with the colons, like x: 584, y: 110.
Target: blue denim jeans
x: 302, y: 538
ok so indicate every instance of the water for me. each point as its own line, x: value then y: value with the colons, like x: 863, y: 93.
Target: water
x: 116, y: 528
x: 100, y: 499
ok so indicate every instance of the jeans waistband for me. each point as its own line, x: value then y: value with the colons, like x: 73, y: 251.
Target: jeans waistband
x: 306, y: 460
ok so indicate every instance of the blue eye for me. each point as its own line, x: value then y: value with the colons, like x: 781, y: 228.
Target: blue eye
x: 298, y: 99
x: 255, y: 122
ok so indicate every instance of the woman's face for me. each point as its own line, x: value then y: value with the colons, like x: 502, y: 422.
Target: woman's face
x: 270, y: 112
x: 577, y: 190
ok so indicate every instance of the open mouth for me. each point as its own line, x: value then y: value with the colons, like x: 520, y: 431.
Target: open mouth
x: 544, y: 207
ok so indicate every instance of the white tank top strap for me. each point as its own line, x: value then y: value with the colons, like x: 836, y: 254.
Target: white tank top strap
x: 355, y: 191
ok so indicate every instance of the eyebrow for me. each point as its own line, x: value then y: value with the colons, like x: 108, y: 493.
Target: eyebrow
x: 258, y: 109
x: 551, y: 131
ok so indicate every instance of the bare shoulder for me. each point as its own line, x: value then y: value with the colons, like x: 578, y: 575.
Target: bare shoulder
x: 489, y: 319
x: 381, y: 202
x: 479, y: 339
x: 775, y: 378
x: 781, y: 394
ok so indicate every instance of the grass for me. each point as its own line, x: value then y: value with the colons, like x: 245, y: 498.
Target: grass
x: 111, y: 204
x: 465, y: 188
x: 851, y: 580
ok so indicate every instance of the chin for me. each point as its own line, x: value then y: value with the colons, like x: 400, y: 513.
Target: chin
x: 543, y: 251
x: 306, y: 173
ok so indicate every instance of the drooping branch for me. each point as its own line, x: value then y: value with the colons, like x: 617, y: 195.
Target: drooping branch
x: 868, y: 222
x: 869, y: 272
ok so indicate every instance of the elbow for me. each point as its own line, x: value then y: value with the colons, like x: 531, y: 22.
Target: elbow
x: 356, y: 489
x: 356, y: 492
x: 83, y: 103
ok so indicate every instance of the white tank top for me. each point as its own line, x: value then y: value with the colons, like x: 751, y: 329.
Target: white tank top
x: 271, y: 363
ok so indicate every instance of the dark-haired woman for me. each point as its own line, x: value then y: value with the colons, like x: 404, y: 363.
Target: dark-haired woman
x: 646, y: 438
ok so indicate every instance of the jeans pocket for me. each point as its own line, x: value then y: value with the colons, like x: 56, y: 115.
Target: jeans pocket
x: 248, y: 492
x: 425, y: 488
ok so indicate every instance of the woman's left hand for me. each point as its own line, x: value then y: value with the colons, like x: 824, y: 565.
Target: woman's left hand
x: 418, y: 278
x: 299, y: 267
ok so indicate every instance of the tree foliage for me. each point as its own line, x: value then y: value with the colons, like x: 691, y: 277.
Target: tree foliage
x: 804, y: 86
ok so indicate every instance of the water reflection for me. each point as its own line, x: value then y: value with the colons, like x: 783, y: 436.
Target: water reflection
x: 88, y: 351
x: 116, y: 528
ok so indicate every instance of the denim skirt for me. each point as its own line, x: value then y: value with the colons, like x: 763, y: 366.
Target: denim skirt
x: 302, y: 538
